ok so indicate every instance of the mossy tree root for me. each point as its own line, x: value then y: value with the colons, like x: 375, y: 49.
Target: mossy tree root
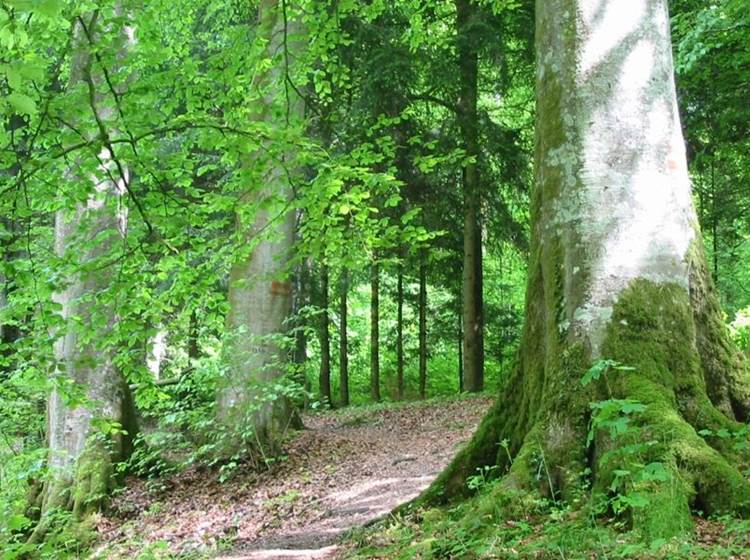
x: 81, y: 493
x: 544, y: 414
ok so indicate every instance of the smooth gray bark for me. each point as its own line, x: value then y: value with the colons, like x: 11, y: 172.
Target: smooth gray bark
x: 260, y: 290
x: 81, y: 455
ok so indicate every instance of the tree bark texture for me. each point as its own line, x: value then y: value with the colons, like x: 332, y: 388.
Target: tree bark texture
x: 82, y: 450
x: 400, y: 334
x: 423, y: 325
x: 260, y: 290
x: 344, y: 340
x: 375, y: 331
x: 324, y: 380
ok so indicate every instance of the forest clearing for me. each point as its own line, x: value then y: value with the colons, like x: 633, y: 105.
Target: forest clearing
x: 394, y: 279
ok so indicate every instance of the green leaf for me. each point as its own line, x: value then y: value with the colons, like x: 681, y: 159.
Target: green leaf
x: 628, y: 407
x: 13, y: 77
x: 23, y: 104
x: 18, y: 522
x: 49, y: 8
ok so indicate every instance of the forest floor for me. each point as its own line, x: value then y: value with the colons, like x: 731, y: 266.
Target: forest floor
x: 345, y: 470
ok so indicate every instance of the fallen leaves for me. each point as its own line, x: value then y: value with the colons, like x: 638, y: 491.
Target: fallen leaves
x: 345, y: 469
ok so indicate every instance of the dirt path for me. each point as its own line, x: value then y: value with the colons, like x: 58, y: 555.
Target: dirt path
x: 347, y: 469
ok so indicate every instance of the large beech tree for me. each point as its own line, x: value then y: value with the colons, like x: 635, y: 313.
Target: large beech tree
x: 87, y: 433
x: 260, y: 291
x: 617, y: 272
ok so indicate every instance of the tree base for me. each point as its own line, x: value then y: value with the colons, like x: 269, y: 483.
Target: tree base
x: 80, y: 495
x: 652, y: 450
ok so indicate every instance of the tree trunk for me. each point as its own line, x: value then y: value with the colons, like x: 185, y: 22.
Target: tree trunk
x: 9, y: 332
x: 344, y: 341
x: 714, y: 224
x: 375, y: 332
x: 400, y: 334
x: 82, y: 449
x: 423, y: 325
x: 193, y: 348
x: 260, y: 291
x: 468, y: 62
x: 81, y: 457
x: 324, y: 381
x: 460, y: 352
x: 301, y: 301
x: 617, y: 272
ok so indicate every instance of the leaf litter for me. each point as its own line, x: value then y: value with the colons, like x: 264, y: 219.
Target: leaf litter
x: 346, y: 469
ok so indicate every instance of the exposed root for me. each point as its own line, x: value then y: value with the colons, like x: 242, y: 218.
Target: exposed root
x: 81, y: 493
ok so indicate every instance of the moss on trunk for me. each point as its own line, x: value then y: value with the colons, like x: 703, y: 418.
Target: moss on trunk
x: 83, y: 488
x: 654, y: 331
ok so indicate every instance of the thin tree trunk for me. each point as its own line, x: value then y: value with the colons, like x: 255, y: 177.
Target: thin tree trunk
x: 344, y: 341
x: 460, y: 332
x: 301, y: 300
x: 9, y: 332
x: 468, y: 64
x: 423, y: 325
x: 400, y: 334
x: 714, y: 224
x: 375, y: 332
x: 324, y: 381
x: 193, y: 350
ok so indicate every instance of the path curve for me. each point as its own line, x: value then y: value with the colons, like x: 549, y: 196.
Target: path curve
x: 347, y: 469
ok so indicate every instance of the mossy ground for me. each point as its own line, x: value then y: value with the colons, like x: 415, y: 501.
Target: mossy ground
x: 480, y: 528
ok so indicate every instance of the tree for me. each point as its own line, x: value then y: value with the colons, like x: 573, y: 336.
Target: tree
x: 375, y: 331
x: 400, y: 332
x: 260, y: 293
x: 344, y: 339
x: 617, y: 276
x: 324, y: 335
x: 712, y: 57
x: 422, y: 304
x: 467, y: 21
x: 90, y: 414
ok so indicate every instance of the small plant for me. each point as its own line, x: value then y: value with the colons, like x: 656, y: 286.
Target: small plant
x: 631, y: 473
x: 288, y: 497
x: 482, y: 478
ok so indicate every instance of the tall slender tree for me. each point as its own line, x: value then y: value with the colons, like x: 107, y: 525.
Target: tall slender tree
x: 324, y: 335
x: 422, y: 323
x: 89, y: 433
x: 344, y: 340
x: 375, y: 331
x: 400, y: 332
x: 467, y: 47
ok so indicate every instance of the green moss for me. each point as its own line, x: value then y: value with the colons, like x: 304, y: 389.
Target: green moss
x: 726, y: 369
x: 653, y: 330
x: 93, y: 478
x: 543, y: 413
x: 82, y: 492
x: 667, y: 514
